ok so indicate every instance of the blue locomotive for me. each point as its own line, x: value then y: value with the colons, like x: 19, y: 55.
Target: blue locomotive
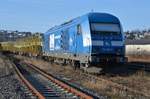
x: 87, y: 40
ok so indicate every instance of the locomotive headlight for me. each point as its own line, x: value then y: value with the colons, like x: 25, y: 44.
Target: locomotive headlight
x: 118, y: 52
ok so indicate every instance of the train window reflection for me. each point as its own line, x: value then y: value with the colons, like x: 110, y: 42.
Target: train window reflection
x: 79, y: 29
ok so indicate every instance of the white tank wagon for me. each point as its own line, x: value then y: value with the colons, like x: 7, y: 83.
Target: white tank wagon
x: 139, y: 47
x: 138, y: 50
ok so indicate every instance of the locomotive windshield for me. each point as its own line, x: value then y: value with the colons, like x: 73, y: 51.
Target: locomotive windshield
x: 105, y: 27
x: 105, y: 31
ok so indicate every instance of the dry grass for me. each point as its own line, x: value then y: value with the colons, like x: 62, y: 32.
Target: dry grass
x: 139, y: 81
x: 1, y: 61
x: 109, y: 90
x: 139, y: 58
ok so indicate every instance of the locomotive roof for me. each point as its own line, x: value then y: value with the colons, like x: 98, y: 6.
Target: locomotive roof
x: 93, y: 17
x: 102, y: 17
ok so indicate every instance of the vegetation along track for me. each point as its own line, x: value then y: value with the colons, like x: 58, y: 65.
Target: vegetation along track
x: 121, y: 87
x: 46, y: 86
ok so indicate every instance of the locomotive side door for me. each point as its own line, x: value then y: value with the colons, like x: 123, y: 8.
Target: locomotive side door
x: 78, y: 38
x: 75, y: 40
x: 72, y: 40
x: 65, y: 40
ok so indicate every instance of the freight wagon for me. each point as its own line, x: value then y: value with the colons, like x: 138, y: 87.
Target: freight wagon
x: 31, y: 46
x: 138, y: 47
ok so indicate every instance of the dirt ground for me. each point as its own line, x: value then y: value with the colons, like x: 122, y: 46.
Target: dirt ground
x: 138, y: 80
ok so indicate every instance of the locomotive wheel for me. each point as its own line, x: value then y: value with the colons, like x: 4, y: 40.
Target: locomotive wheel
x: 76, y: 65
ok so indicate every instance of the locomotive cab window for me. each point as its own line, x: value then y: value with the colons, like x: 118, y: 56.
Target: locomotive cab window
x: 79, y: 30
x: 115, y: 28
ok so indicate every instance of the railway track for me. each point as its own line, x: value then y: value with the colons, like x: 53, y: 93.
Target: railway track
x: 137, y: 66
x: 45, y: 86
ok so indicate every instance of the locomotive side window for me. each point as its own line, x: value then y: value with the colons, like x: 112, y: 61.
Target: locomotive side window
x: 79, y: 30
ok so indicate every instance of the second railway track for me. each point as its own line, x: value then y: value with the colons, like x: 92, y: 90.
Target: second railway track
x: 45, y: 86
x: 139, y: 66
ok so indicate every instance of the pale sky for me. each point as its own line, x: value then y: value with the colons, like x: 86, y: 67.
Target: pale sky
x: 40, y: 15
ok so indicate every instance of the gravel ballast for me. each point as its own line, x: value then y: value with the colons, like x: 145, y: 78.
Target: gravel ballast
x: 10, y: 86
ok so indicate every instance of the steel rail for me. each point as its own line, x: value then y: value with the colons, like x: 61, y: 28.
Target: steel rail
x: 80, y: 94
x: 27, y: 83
